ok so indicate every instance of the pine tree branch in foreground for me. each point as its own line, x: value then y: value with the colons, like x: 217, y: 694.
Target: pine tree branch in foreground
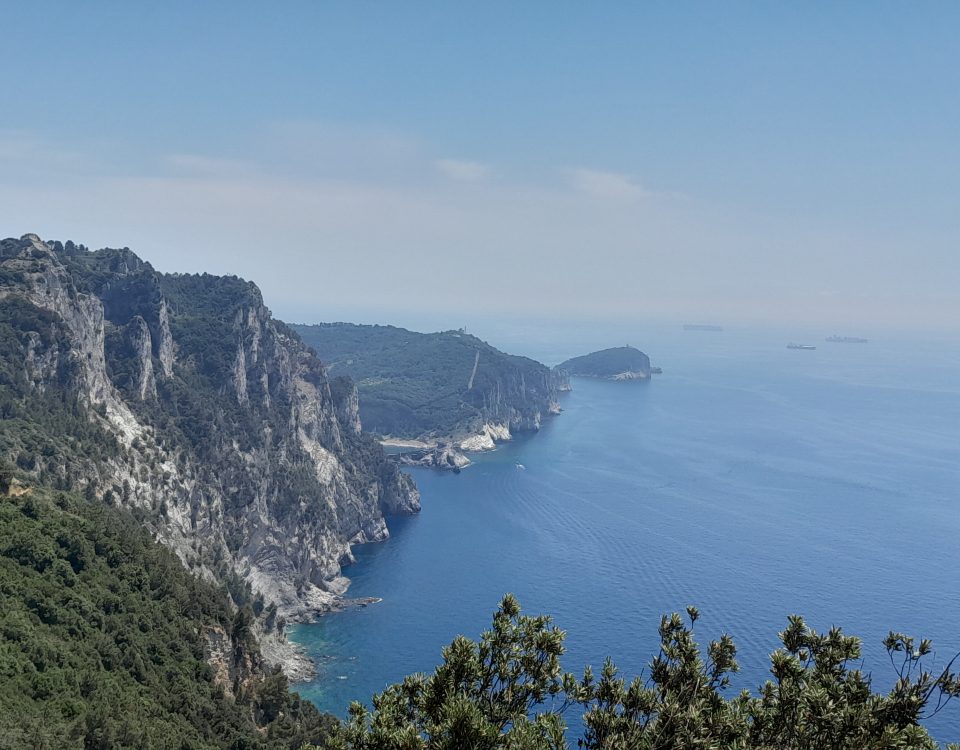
x: 508, y: 691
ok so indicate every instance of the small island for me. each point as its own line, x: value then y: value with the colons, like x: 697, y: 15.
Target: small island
x: 618, y: 363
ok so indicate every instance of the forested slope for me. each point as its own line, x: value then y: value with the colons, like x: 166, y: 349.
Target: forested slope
x: 107, y: 641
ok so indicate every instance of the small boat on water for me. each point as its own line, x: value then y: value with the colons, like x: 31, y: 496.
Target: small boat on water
x: 521, y: 466
x: 806, y: 347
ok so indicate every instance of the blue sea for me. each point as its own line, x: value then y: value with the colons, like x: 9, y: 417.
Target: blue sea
x: 749, y: 480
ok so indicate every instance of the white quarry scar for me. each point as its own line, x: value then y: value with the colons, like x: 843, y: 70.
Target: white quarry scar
x: 476, y: 361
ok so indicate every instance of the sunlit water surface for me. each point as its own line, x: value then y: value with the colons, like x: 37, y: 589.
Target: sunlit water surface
x: 749, y: 480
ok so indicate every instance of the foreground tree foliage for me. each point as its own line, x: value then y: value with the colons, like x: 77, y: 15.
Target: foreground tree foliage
x: 104, y: 640
x: 509, y: 692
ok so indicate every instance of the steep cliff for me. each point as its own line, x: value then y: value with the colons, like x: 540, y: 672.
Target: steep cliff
x: 180, y: 398
x: 449, y: 387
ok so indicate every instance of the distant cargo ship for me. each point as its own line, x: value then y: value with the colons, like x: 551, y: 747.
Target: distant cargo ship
x: 847, y: 340
x: 805, y: 347
x: 698, y: 327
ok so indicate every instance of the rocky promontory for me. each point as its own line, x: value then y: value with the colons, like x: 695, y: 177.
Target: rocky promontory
x: 437, y: 389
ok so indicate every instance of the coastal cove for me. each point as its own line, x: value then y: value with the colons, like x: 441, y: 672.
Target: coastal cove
x: 748, y: 480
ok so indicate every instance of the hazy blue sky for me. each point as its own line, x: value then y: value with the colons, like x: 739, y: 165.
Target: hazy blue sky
x: 708, y: 161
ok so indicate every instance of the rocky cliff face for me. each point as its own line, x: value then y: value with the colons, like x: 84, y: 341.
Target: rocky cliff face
x: 182, y: 399
x: 516, y: 399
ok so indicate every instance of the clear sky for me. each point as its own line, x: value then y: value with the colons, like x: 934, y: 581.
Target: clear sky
x: 698, y: 161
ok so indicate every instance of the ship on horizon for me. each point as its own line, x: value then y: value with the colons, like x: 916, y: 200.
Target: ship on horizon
x: 805, y: 347
x: 847, y: 340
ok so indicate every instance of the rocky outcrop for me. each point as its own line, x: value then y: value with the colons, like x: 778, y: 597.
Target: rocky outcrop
x: 631, y: 375
x: 491, y: 434
x: 219, y: 428
x: 444, y: 457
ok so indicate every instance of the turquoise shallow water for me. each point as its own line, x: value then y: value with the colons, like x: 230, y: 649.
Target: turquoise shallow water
x: 748, y: 480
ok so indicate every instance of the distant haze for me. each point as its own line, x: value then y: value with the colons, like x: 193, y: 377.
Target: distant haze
x: 706, y: 163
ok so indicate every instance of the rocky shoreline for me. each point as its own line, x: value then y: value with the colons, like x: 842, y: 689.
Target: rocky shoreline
x: 292, y: 657
x: 444, y: 457
x: 450, y: 453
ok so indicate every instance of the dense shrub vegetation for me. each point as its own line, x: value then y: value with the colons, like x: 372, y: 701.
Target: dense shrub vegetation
x: 102, y: 639
x: 508, y: 691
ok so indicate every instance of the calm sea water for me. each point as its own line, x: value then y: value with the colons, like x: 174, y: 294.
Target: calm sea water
x: 748, y: 480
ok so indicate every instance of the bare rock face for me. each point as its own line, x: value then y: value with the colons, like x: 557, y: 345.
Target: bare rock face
x: 518, y: 401
x: 136, y: 337
x: 215, y: 424
x: 347, y: 399
x: 444, y: 456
